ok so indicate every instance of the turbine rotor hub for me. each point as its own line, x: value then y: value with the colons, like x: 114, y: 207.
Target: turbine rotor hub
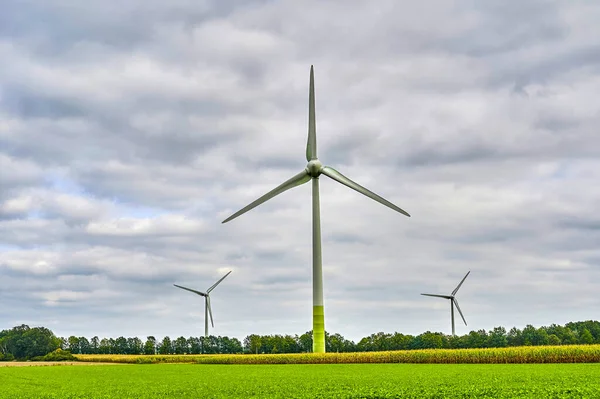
x: 314, y: 167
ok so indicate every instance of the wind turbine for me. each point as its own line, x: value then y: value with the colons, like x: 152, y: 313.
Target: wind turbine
x: 206, y: 295
x: 312, y: 172
x: 453, y: 301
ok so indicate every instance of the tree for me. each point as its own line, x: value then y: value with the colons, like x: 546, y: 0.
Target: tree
x: 556, y: 330
x: 305, y: 342
x: 366, y: 344
x: 335, y: 343
x: 569, y: 337
x: 400, y: 341
x: 269, y: 344
x: 95, y: 345
x: 381, y: 341
x: 497, y: 338
x: 529, y: 335
x: 195, y: 345
x: 235, y: 346
x: 591, y: 325
x: 84, y: 345
x: 515, y: 337
x: 165, y: 346
x: 180, y: 346
x: 104, y: 347
x: 74, y: 345
x: 23, y: 343
x: 230, y: 345
x: 428, y: 340
x: 210, y: 344
x: 553, y: 340
x: 375, y: 342
x: 150, y: 346
x: 3, y: 346
x: 477, y: 339
x: 586, y: 337
x: 252, y: 343
x: 540, y: 337
x: 134, y: 346
x: 120, y: 346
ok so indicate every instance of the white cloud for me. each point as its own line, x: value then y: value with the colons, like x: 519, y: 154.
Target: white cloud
x: 164, y: 225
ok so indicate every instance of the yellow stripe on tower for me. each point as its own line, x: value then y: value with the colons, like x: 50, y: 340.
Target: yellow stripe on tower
x: 318, y: 329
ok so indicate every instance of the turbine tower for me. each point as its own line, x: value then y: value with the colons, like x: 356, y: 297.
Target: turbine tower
x: 206, y: 295
x: 453, y: 302
x: 312, y: 172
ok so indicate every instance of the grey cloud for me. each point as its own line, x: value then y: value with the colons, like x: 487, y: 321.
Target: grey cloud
x: 31, y: 105
x: 590, y: 223
x: 503, y: 27
x: 17, y: 174
x: 348, y: 238
x: 123, y: 146
x: 61, y: 25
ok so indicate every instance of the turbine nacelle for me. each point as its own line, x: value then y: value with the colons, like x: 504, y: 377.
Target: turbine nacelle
x: 314, y: 168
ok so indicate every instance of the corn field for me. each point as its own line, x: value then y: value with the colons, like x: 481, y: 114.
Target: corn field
x: 522, y: 354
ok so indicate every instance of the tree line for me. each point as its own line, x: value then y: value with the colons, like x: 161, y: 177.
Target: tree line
x: 23, y: 342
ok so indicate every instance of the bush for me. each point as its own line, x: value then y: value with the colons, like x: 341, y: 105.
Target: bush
x: 58, y: 355
x: 6, y: 357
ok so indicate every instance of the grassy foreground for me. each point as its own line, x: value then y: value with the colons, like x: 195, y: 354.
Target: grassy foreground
x: 523, y: 354
x: 303, y: 381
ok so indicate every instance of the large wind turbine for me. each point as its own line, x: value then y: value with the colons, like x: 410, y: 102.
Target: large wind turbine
x: 206, y: 295
x: 453, y: 301
x: 312, y: 171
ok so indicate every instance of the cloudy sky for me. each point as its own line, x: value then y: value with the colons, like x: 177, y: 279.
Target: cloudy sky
x: 130, y: 130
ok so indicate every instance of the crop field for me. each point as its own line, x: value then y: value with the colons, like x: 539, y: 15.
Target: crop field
x: 303, y: 381
x: 522, y: 354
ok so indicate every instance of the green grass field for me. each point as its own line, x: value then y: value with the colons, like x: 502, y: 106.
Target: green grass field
x: 303, y: 381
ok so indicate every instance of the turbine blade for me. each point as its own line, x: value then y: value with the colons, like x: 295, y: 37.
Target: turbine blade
x: 459, y: 311
x: 191, y: 290
x: 462, y: 281
x: 210, y: 311
x: 340, y: 178
x: 297, y: 180
x: 212, y: 287
x: 438, y: 296
x: 311, y: 144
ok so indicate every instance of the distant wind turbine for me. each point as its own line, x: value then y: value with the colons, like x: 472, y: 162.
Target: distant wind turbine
x: 453, y: 302
x: 312, y: 171
x: 206, y: 295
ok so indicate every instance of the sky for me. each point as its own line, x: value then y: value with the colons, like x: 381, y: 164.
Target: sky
x: 130, y: 130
